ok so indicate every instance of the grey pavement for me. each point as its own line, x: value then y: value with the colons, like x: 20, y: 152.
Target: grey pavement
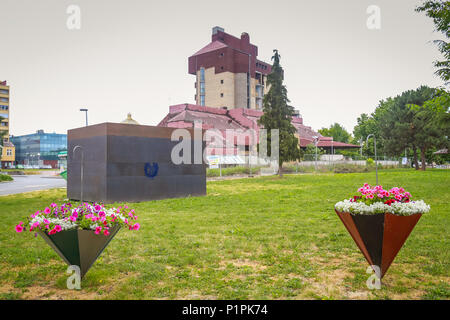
x: 27, y: 183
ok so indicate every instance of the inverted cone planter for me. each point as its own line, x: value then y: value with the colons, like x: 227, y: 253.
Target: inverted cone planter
x: 79, y: 247
x: 379, y: 236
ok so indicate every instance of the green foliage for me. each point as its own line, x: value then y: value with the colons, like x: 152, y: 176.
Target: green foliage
x: 278, y: 115
x: 439, y: 11
x: 336, y: 131
x: 238, y: 170
x: 311, y: 149
x: 348, y: 168
x: 5, y: 177
x: 415, y: 120
x: 370, y: 162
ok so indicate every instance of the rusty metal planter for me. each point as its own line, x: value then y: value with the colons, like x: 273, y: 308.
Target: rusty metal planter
x: 79, y: 247
x: 379, y: 236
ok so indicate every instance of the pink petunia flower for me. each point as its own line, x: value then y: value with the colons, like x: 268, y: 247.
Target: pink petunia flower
x: 58, y: 228
x: 19, y: 227
x: 136, y: 226
x: 98, y: 230
x: 47, y: 210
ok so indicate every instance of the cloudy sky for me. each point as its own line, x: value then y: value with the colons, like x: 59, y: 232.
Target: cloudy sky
x: 131, y: 56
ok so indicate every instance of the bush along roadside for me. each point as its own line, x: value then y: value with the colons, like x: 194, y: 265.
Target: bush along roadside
x: 5, y: 177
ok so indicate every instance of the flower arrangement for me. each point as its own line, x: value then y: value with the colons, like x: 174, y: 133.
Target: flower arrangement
x: 86, y: 216
x: 375, y: 200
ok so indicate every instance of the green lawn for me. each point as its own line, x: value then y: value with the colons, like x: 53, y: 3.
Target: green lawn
x: 260, y: 238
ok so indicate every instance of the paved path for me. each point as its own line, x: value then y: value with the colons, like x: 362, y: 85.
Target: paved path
x: 28, y: 183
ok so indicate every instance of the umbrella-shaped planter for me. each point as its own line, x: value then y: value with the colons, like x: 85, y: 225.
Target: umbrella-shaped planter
x: 79, y: 234
x: 379, y: 222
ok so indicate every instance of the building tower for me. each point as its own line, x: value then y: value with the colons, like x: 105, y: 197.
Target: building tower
x: 228, y: 73
x: 7, y: 150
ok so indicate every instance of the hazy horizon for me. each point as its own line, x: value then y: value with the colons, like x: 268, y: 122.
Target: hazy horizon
x: 132, y: 56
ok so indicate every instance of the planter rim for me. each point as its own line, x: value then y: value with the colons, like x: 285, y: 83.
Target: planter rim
x: 375, y: 214
x: 77, y: 229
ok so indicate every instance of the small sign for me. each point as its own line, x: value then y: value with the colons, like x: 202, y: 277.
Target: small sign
x: 214, y: 162
x: 404, y: 161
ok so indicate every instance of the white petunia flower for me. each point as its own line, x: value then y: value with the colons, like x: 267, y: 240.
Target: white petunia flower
x: 398, y: 208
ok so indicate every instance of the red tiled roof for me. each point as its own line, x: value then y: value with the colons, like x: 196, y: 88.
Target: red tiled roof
x: 184, y: 115
x: 215, y: 45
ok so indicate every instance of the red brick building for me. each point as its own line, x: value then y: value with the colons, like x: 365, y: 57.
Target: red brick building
x: 230, y: 86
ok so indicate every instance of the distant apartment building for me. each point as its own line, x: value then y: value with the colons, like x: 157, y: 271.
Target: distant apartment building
x: 7, y: 150
x: 40, y: 148
x: 228, y: 73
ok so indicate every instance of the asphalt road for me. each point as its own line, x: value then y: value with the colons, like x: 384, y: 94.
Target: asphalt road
x: 28, y: 183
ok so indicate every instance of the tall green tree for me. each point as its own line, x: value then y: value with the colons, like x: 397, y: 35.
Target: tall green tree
x: 439, y: 11
x: 369, y: 124
x: 431, y: 122
x: 336, y: 131
x: 397, y: 122
x: 278, y: 115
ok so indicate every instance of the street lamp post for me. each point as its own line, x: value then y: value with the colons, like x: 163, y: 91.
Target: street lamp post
x: 86, y: 111
x: 375, y: 149
x: 316, y: 140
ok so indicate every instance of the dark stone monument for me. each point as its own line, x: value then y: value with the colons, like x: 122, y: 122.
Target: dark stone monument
x: 126, y: 162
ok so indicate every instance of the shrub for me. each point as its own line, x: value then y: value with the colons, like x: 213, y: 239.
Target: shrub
x: 5, y: 177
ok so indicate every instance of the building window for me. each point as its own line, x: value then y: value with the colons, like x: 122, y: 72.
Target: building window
x: 8, y: 152
x: 202, y: 74
x: 4, y: 124
x: 221, y: 68
x: 2, y: 107
x: 4, y: 99
x: 202, y: 86
x: 221, y: 81
x: 221, y: 95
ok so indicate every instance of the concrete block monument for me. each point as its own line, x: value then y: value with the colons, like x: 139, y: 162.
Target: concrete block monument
x: 126, y: 162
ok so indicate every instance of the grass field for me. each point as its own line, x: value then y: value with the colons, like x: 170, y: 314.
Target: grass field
x: 260, y: 238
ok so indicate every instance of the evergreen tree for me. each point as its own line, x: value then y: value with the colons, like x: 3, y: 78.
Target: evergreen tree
x: 278, y: 115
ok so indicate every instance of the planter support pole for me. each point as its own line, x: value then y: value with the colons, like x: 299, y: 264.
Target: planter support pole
x: 82, y: 170
x: 375, y: 149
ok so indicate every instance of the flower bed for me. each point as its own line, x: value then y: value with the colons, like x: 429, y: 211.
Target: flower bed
x: 79, y: 234
x: 379, y: 222
x: 95, y: 217
x: 376, y: 200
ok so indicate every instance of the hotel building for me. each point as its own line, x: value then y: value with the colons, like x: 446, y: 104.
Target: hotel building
x: 228, y: 73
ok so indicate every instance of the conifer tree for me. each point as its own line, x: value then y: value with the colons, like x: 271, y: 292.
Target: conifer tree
x: 278, y: 115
